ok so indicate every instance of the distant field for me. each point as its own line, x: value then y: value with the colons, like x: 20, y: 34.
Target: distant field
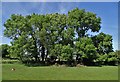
x: 58, y: 73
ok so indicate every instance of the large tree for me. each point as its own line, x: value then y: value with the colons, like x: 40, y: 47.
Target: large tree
x: 64, y: 36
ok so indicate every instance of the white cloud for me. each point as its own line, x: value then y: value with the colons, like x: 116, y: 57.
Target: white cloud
x: 115, y: 45
x: 1, y: 36
x: 62, y: 9
x: 4, y: 43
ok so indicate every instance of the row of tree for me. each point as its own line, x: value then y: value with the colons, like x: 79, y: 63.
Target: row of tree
x: 59, y: 37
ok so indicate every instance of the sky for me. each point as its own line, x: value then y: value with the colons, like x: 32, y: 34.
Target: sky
x: 60, y: 0
x: 108, y: 11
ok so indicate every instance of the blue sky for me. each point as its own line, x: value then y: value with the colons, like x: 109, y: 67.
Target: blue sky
x: 60, y: 0
x: 108, y: 11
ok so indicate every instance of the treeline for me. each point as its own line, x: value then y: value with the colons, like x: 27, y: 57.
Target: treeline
x: 60, y: 38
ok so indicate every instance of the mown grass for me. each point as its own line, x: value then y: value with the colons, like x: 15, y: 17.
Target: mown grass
x: 8, y: 61
x: 58, y: 73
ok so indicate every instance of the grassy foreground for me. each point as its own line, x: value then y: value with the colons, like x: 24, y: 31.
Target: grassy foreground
x: 58, y: 73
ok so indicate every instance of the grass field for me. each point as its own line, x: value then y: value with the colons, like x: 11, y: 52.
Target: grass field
x: 58, y: 73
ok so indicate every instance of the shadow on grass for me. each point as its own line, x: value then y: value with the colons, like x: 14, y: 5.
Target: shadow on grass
x: 31, y: 64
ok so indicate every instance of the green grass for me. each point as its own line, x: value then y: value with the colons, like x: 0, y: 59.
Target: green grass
x: 8, y: 61
x: 58, y: 73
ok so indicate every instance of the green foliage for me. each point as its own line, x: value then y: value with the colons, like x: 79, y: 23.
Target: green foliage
x: 86, y: 49
x: 67, y: 53
x: 112, y: 58
x: 57, y: 51
x: 101, y: 59
x: 4, y: 49
x: 103, y: 42
x: 83, y: 21
x: 65, y: 36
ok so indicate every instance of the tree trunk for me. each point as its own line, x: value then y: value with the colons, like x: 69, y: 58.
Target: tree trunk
x: 43, y: 53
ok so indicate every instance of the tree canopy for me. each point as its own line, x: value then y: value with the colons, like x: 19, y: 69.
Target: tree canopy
x: 4, y: 48
x: 38, y: 37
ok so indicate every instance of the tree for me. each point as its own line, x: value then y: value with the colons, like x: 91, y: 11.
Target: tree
x: 36, y: 37
x: 86, y: 51
x: 83, y: 21
x: 50, y: 34
x: 103, y: 43
x: 117, y: 53
x: 57, y: 51
x: 67, y: 54
x: 112, y: 58
x: 24, y: 33
x: 4, y: 50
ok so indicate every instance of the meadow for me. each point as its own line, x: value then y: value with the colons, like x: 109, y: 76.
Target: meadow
x: 23, y: 72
